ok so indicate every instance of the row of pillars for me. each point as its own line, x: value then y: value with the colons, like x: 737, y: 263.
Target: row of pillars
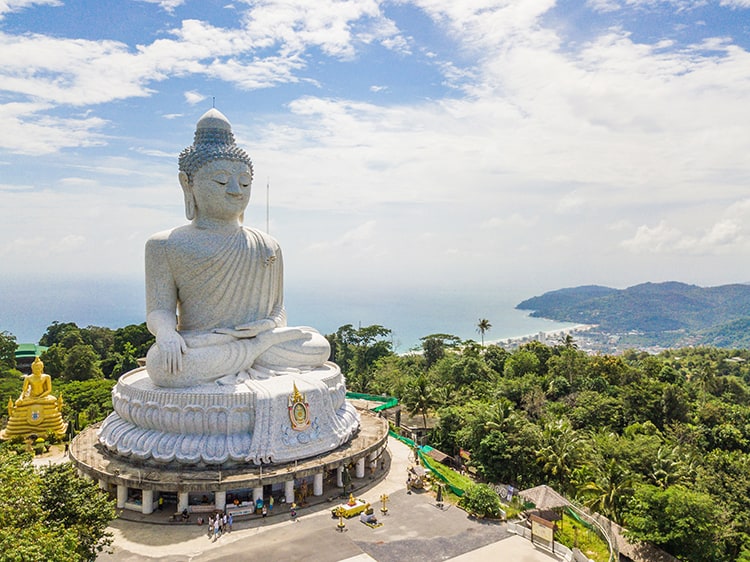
x: 220, y: 497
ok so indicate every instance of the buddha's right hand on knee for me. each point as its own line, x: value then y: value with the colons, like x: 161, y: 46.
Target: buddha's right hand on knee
x: 171, y: 347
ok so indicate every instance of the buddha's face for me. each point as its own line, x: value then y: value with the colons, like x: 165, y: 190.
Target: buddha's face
x: 221, y: 189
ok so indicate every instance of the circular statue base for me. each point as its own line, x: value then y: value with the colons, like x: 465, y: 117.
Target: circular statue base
x: 269, y: 418
x: 124, y: 476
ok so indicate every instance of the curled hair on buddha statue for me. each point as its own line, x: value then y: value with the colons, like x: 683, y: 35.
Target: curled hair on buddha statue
x: 213, y: 140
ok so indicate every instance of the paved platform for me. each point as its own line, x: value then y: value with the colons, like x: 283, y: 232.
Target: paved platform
x: 89, y: 456
x: 415, y: 530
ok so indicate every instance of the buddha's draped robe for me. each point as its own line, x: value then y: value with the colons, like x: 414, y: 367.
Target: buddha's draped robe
x: 221, y: 280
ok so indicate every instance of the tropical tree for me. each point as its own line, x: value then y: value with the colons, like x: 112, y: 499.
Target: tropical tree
x: 81, y: 363
x: 685, y: 522
x: 609, y: 489
x: 482, y: 501
x: 433, y: 347
x: 8, y: 348
x: 561, y: 452
x: 483, y: 326
x: 78, y: 504
x: 568, y: 341
x: 419, y: 399
x: 52, y: 514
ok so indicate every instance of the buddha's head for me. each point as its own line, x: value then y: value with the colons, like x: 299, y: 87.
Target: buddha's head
x: 215, y: 174
x: 37, y: 367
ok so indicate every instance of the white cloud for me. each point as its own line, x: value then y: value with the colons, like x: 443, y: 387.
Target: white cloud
x: 539, y: 145
x: 515, y: 220
x: 27, y: 130
x: 193, y: 97
x: 7, y: 6
x: 571, y: 202
x: 166, y: 5
x: 603, y: 5
x: 665, y: 239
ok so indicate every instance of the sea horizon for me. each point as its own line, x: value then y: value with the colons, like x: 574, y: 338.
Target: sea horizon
x: 27, y: 309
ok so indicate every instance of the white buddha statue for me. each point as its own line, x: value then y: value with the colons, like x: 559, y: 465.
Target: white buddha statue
x: 214, y: 301
x: 214, y: 288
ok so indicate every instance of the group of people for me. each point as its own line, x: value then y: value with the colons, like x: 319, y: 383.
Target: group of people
x: 218, y: 525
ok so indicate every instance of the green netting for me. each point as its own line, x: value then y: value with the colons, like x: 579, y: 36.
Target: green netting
x: 401, y: 438
x: 583, y: 522
x: 429, y: 463
x: 389, y: 401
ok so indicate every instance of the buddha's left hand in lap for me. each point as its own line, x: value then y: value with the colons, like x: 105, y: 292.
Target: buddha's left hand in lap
x: 249, y: 330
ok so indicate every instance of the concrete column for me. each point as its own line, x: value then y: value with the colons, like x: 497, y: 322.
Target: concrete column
x: 359, y: 471
x: 318, y: 484
x: 257, y: 493
x: 122, y: 496
x: 147, y: 501
x: 103, y: 484
x: 220, y: 500
x: 373, y: 460
x: 289, y: 491
x: 182, y: 501
x: 340, y: 477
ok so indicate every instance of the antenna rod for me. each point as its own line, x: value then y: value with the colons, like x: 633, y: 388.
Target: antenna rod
x: 268, y: 197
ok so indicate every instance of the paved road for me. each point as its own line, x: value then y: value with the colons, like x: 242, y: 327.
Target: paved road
x: 415, y: 530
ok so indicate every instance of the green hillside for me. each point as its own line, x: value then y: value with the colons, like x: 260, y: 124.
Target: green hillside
x: 670, y: 313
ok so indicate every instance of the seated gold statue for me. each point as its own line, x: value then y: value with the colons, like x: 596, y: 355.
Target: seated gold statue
x: 214, y: 288
x: 36, y: 410
x: 37, y: 386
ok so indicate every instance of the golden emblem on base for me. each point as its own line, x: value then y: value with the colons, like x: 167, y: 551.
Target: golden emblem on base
x: 299, y: 410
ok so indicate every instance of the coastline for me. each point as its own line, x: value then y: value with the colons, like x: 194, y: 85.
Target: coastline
x: 548, y: 337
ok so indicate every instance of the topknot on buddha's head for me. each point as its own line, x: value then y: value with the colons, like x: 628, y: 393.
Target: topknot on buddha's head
x: 213, y: 140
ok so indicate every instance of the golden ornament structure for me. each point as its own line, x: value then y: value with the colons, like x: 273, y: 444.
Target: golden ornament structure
x: 36, y: 411
x: 299, y: 410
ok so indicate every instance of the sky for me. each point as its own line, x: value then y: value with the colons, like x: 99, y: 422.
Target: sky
x: 403, y: 149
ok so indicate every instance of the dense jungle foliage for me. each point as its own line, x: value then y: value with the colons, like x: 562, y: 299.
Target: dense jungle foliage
x: 658, y: 443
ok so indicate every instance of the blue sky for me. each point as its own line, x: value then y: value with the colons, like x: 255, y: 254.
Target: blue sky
x: 449, y: 145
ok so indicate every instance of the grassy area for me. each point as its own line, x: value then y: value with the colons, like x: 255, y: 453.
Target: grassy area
x: 450, y: 475
x: 572, y: 534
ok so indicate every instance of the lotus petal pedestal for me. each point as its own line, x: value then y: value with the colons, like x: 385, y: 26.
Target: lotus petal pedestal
x: 269, y: 418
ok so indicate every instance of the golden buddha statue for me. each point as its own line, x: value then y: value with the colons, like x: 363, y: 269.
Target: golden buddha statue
x: 36, y: 411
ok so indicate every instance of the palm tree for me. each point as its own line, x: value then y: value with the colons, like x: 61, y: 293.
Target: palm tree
x: 568, y: 342
x: 419, y: 398
x: 562, y: 451
x: 482, y: 327
x: 609, y: 490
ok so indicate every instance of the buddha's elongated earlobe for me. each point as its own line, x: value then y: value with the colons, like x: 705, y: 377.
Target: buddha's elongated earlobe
x: 187, y: 192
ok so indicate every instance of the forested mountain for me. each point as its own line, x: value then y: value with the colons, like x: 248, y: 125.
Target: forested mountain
x: 701, y: 315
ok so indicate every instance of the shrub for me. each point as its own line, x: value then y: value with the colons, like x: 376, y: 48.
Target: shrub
x: 482, y: 501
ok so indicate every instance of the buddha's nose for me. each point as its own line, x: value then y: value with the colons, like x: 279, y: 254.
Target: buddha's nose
x: 233, y: 187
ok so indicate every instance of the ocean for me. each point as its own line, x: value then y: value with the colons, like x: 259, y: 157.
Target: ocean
x: 28, y: 307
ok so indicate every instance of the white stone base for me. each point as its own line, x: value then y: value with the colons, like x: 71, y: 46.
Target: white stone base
x: 215, y: 424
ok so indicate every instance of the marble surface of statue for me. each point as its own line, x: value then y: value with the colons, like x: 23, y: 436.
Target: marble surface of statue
x: 227, y: 380
x: 214, y: 288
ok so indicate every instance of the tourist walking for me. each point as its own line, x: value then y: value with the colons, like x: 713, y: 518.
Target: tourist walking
x: 210, y: 526
x: 229, y: 521
x: 216, y: 528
